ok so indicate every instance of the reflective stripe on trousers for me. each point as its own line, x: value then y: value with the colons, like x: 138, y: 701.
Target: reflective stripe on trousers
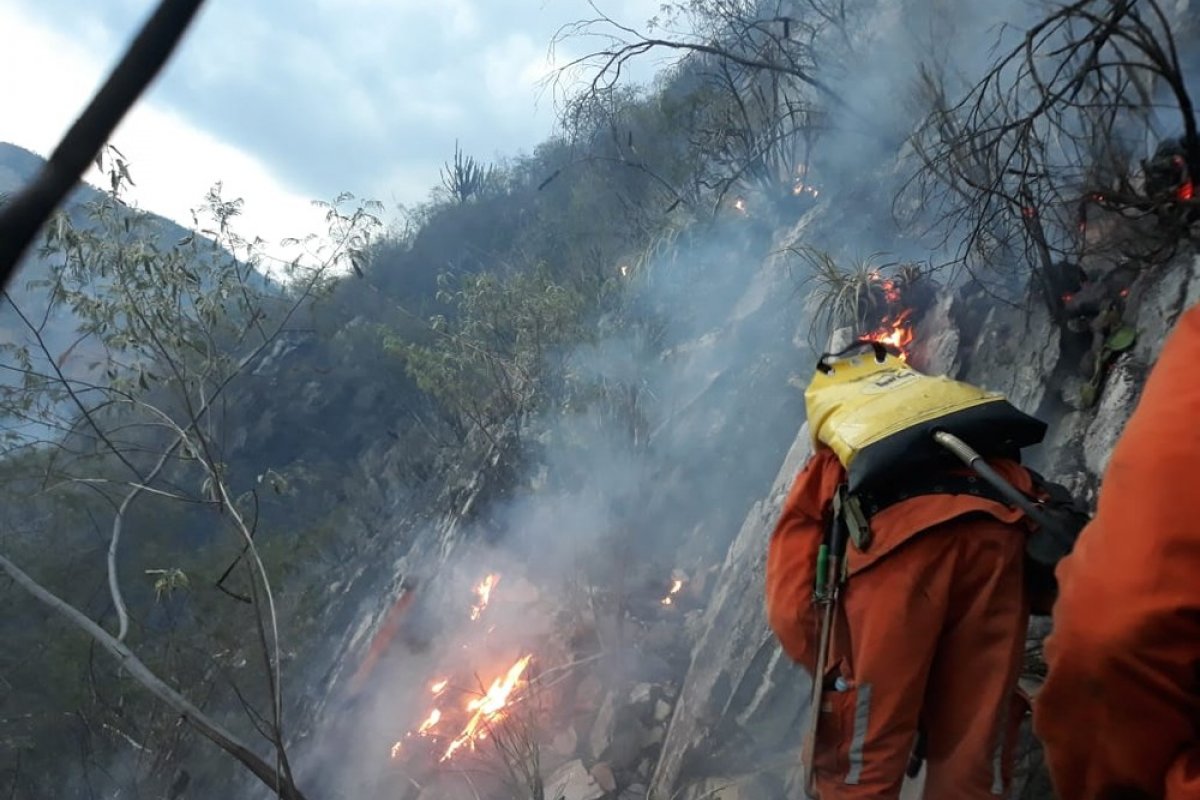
x: 862, y: 717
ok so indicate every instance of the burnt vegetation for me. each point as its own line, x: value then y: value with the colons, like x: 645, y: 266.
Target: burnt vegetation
x: 1040, y: 165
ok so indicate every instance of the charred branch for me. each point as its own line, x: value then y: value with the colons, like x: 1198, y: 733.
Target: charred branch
x: 1014, y: 163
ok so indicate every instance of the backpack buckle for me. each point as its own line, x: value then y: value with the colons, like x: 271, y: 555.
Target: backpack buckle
x: 857, y: 525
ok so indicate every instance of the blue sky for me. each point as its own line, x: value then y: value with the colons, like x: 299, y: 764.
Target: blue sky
x: 288, y: 100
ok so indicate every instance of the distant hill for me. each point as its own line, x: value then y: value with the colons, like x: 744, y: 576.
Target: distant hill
x: 18, y: 166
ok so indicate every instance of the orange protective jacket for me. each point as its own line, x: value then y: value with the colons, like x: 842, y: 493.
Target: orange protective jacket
x: 792, y: 554
x: 1120, y: 710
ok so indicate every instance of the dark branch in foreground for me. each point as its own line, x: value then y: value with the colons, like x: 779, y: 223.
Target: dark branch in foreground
x: 24, y: 214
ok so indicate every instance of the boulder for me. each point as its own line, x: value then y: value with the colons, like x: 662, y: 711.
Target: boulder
x: 642, y: 694
x: 602, y: 728
x: 572, y: 781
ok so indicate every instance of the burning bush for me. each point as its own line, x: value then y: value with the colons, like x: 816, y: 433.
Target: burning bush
x: 883, y: 303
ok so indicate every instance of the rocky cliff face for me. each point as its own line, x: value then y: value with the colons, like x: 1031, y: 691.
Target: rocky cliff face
x: 739, y: 714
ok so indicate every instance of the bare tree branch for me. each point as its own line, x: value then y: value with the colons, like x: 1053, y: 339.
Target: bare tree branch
x: 192, y: 715
x: 1012, y: 165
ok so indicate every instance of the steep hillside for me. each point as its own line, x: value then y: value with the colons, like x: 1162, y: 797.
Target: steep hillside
x: 510, y: 481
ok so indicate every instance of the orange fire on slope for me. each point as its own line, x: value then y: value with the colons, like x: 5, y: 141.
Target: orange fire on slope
x: 896, y: 329
x: 489, y: 708
x: 433, y: 719
x: 896, y: 333
x: 474, y: 716
x: 676, y: 585
x: 484, y: 592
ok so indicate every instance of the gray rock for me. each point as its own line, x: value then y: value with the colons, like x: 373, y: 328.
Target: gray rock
x: 602, y: 728
x: 1121, y: 391
x: 1014, y: 353
x: 1158, y: 306
x: 656, y: 736
x: 642, y: 694
x: 573, y: 782
x: 936, y: 340
x: 1192, y: 295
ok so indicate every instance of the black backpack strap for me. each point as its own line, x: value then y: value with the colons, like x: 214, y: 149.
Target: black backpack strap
x: 876, y: 498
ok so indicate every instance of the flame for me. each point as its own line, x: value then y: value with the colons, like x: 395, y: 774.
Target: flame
x: 896, y: 329
x: 484, y: 592
x: 799, y: 188
x: 624, y: 270
x: 489, y: 708
x: 896, y: 333
x: 474, y: 717
x: 676, y: 585
x: 433, y: 719
x: 1186, y: 191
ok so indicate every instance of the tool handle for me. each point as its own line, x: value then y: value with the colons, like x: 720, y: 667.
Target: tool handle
x: 822, y: 571
x: 814, y: 707
x: 828, y: 569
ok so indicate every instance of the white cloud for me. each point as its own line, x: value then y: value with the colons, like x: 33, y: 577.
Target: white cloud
x: 365, y: 95
x: 173, y: 163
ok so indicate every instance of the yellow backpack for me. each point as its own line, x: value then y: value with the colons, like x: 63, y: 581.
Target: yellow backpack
x: 877, y: 413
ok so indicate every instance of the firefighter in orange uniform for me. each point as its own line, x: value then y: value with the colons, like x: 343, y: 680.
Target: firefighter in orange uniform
x: 1120, y: 710
x: 930, y: 634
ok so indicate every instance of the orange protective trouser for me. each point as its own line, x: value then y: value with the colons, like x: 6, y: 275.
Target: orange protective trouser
x: 933, y: 636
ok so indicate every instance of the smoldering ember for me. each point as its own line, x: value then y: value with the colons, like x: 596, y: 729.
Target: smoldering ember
x: 561, y: 479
